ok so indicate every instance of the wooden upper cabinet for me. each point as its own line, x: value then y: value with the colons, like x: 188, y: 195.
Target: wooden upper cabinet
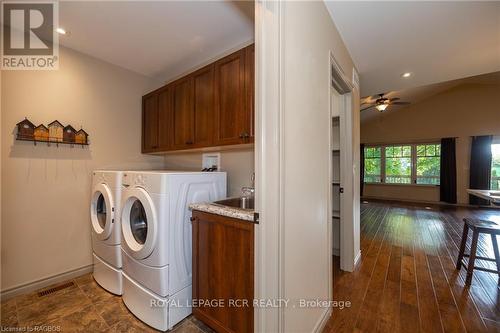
x: 182, y: 113
x: 203, y: 82
x: 230, y: 111
x: 213, y: 106
x: 164, y: 118
x: 150, y: 123
x: 250, y: 91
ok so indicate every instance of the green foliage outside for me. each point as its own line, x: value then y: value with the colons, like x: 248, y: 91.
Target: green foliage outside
x: 428, y: 164
x: 495, y: 167
x: 398, y: 164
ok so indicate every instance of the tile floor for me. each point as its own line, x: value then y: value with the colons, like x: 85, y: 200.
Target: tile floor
x: 83, y: 307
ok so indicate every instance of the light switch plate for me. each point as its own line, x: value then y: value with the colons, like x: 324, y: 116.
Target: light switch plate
x: 210, y: 160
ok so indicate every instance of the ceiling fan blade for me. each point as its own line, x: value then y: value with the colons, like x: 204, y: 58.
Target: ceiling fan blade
x: 367, y: 108
x: 400, y: 103
x: 367, y: 103
x: 394, y: 99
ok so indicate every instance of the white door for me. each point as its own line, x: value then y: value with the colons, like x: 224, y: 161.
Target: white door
x: 139, y: 223
x: 102, y: 211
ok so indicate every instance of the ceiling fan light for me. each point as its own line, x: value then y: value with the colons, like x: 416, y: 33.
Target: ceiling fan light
x: 382, y: 107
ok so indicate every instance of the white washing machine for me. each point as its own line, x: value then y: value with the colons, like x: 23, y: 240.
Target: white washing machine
x: 156, y: 244
x: 106, y: 231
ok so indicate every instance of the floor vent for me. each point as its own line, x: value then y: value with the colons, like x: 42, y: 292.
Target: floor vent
x: 57, y: 288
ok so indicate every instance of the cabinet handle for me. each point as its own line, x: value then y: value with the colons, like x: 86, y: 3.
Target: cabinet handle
x: 242, y: 135
x: 189, y: 142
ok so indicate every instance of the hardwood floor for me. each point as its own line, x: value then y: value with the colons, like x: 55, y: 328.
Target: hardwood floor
x: 406, y: 280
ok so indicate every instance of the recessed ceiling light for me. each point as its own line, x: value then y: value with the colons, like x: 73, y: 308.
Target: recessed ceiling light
x: 406, y: 75
x: 61, y: 31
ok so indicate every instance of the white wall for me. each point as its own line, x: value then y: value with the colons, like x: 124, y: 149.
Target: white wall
x: 46, y: 190
x: 308, y: 37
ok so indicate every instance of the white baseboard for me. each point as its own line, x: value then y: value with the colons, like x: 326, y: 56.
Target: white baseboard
x: 320, y: 325
x: 45, y: 282
x: 358, y: 257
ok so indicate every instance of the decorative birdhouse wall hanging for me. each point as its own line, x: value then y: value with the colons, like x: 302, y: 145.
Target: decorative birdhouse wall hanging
x: 41, y: 133
x: 81, y: 136
x: 25, y: 129
x: 56, y: 131
x: 69, y: 134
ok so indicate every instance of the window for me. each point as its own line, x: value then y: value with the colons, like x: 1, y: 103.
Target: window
x: 373, y: 166
x: 405, y: 164
x: 428, y: 164
x: 495, y: 167
x: 398, y: 164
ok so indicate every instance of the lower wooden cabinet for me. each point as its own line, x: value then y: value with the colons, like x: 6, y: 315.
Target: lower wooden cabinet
x: 223, y: 272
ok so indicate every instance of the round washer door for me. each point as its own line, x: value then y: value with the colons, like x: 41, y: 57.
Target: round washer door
x: 138, y: 223
x: 102, y: 211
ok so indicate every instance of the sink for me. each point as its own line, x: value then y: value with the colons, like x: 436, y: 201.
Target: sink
x: 243, y: 202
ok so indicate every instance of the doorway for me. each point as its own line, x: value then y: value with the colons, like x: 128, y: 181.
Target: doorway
x: 341, y: 186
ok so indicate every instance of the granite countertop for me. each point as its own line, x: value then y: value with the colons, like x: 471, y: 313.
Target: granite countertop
x: 218, y: 209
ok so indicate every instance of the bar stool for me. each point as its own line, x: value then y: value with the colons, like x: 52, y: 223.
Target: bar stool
x: 478, y: 226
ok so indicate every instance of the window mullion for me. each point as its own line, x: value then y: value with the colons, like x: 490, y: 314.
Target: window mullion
x: 382, y: 164
x: 414, y: 164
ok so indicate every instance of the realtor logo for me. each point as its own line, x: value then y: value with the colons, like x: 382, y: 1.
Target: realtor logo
x: 29, y: 39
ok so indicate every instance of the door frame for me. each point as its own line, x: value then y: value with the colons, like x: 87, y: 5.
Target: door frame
x: 269, y: 170
x: 269, y: 249
x: 343, y: 86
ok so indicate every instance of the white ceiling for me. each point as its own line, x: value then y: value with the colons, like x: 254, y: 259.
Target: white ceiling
x: 436, y: 41
x: 159, y: 39
x: 417, y: 94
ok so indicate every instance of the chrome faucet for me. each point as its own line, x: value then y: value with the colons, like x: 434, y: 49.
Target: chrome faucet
x: 249, y: 191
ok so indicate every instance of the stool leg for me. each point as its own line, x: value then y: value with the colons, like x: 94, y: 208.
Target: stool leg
x: 472, y: 257
x: 462, y: 246
x: 497, y: 254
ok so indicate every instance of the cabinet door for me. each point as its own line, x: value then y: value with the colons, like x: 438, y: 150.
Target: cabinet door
x: 165, y: 119
x: 182, y: 113
x: 250, y: 92
x: 203, y: 81
x: 230, y: 113
x: 223, y: 269
x: 150, y: 123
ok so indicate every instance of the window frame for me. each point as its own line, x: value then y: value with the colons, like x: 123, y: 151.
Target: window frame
x: 413, y: 158
x: 427, y: 156
x: 495, y: 141
x: 382, y: 166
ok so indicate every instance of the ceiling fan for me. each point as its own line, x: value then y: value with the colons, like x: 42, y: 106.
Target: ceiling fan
x: 381, y: 103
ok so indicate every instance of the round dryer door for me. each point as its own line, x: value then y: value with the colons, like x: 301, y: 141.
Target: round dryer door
x: 102, y: 211
x: 138, y: 223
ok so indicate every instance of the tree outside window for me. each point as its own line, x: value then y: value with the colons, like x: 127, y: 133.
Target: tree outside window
x: 407, y: 164
x: 428, y: 164
x: 398, y: 164
x: 495, y: 167
x: 373, y: 166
